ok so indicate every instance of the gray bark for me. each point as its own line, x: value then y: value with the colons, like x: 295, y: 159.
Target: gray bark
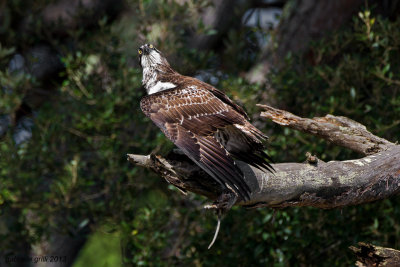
x: 369, y: 255
x: 323, y: 185
x: 339, y: 130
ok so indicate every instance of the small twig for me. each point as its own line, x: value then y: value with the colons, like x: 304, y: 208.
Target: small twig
x: 140, y: 160
x: 311, y: 159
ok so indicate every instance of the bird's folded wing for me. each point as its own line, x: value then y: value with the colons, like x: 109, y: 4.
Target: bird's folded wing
x: 224, y: 98
x: 197, y: 110
x: 213, y: 159
x: 190, y: 118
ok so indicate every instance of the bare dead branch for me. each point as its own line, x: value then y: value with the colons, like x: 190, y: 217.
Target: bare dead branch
x: 369, y: 255
x: 340, y: 131
x: 315, y: 183
x: 323, y: 185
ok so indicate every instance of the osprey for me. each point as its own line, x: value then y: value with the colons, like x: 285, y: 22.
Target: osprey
x: 202, y: 121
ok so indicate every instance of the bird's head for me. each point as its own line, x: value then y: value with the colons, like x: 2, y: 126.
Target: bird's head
x: 149, y: 56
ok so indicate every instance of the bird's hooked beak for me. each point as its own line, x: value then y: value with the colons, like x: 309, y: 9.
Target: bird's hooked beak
x: 145, y: 49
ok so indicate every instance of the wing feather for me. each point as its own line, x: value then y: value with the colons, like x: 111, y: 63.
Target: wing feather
x: 192, y: 126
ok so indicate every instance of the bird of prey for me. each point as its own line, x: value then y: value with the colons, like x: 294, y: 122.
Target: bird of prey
x: 202, y: 121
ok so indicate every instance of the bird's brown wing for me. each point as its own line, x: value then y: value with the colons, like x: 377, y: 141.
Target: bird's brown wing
x: 221, y: 95
x: 189, y: 117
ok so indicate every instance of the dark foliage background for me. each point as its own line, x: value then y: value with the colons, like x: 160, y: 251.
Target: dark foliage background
x: 70, y: 176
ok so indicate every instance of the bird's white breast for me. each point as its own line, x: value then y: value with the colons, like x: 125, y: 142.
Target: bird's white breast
x: 160, y: 86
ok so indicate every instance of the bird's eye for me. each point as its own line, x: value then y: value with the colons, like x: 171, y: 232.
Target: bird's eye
x: 139, y: 51
x: 151, y: 46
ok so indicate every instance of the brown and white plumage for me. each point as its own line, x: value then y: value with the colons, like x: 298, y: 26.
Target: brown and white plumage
x: 202, y: 121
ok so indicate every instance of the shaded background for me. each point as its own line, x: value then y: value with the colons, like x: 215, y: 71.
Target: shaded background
x: 70, y: 87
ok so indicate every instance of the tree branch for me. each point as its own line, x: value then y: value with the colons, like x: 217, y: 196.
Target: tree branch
x: 318, y: 184
x: 339, y: 130
x: 370, y: 255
